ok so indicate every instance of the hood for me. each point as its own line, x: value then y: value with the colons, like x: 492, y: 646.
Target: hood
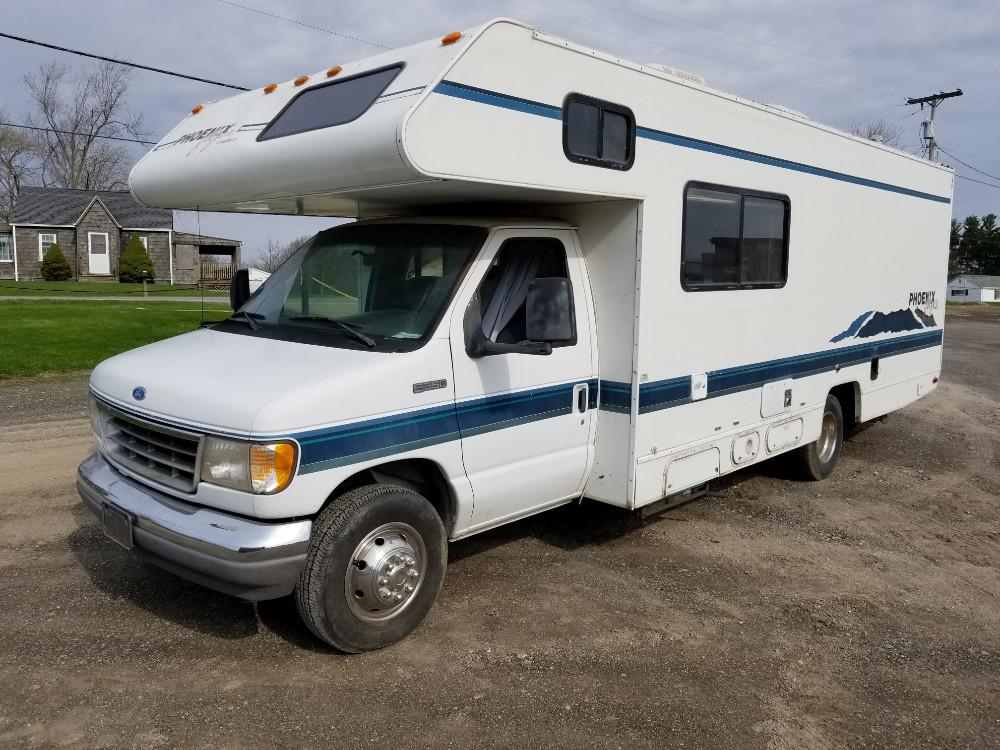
x: 243, y: 385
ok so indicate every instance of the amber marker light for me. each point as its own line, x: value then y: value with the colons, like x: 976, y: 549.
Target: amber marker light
x: 451, y: 38
x: 272, y: 466
x: 335, y: 70
x: 271, y: 88
x: 300, y: 80
x: 197, y: 109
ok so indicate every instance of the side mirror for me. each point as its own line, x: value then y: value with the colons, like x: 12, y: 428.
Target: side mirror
x: 477, y: 345
x: 239, y: 288
x: 549, y: 311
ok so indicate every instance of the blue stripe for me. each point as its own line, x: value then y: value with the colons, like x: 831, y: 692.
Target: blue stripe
x: 616, y: 396
x: 496, y: 99
x: 359, y: 441
x: 663, y: 394
x: 505, y: 101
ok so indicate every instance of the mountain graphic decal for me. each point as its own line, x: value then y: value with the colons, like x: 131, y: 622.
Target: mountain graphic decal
x: 870, y: 324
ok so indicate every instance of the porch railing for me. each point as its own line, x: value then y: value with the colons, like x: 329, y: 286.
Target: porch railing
x: 215, y: 273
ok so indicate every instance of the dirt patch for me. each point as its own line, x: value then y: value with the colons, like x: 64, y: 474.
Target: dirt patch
x: 863, y: 611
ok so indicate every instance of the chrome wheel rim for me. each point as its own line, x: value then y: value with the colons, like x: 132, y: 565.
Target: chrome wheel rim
x: 827, y: 444
x: 385, y: 572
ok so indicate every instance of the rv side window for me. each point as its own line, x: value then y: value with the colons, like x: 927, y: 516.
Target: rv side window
x: 733, y: 239
x: 598, y: 133
x: 329, y: 104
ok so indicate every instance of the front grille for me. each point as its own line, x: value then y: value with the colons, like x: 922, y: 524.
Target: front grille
x: 161, y: 454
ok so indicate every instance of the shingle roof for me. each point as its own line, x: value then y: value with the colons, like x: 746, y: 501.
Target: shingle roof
x: 63, y: 207
x: 989, y: 282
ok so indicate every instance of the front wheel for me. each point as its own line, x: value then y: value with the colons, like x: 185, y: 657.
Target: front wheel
x: 816, y: 460
x: 374, y: 568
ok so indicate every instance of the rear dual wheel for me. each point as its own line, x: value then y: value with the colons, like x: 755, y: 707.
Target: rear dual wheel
x: 816, y: 460
x: 374, y: 567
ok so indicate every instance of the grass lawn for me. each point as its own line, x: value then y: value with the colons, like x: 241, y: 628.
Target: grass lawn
x: 41, y: 336
x: 106, y: 288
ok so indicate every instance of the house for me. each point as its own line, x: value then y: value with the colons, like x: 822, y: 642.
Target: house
x: 92, y: 227
x: 974, y: 288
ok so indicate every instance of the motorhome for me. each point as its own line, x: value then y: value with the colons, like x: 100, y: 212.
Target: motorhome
x: 570, y: 276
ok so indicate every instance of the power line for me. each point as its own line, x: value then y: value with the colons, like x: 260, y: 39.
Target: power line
x: 302, y: 23
x: 750, y: 43
x: 650, y: 42
x: 981, y: 182
x: 121, y: 62
x: 73, y: 132
x: 974, y: 169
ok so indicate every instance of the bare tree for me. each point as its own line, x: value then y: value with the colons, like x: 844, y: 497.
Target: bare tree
x: 83, y: 105
x: 273, y: 254
x: 17, y: 165
x: 879, y: 131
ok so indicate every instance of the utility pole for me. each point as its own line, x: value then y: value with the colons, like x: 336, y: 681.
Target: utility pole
x: 927, y: 126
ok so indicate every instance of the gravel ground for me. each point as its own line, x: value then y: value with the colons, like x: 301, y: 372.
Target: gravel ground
x: 862, y: 611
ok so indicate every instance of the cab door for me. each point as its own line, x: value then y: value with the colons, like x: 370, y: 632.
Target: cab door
x: 526, y: 420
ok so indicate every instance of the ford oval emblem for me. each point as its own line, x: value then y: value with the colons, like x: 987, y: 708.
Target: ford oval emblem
x: 138, y: 393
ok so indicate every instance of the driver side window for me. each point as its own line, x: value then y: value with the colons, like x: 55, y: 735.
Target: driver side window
x: 504, y: 291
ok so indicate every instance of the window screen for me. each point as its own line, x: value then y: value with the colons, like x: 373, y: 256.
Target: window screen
x: 733, y: 239
x: 330, y: 104
x: 598, y: 133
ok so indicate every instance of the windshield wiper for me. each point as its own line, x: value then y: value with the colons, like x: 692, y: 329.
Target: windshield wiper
x: 247, y: 317
x: 340, y: 325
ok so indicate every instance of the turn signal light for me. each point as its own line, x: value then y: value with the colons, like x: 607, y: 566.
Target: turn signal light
x: 300, y: 80
x: 335, y: 70
x: 270, y: 88
x: 451, y: 38
x: 197, y: 109
x: 271, y: 466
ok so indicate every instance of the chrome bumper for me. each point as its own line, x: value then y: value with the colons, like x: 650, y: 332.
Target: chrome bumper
x: 250, y: 559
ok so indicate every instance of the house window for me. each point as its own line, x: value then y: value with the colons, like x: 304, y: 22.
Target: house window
x: 959, y: 292
x: 6, y: 248
x: 145, y: 241
x: 329, y: 104
x: 45, y: 241
x: 733, y: 239
x: 598, y: 133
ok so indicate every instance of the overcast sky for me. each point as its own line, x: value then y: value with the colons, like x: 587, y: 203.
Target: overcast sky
x: 841, y: 63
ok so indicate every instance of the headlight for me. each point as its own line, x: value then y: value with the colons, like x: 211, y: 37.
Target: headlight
x: 261, y: 468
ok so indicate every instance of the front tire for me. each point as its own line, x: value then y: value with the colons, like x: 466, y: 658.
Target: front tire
x: 815, y: 461
x: 374, y: 568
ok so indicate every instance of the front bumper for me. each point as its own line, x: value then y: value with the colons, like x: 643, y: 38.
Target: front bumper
x: 250, y: 559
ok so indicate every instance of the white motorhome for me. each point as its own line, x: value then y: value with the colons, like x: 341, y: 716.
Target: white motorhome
x: 572, y: 277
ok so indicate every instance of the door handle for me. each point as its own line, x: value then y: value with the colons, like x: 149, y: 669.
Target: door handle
x: 581, y: 393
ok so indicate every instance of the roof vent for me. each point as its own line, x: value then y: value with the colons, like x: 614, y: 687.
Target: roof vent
x: 677, y: 73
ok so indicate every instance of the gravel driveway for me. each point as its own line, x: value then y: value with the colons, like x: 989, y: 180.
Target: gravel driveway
x: 863, y: 611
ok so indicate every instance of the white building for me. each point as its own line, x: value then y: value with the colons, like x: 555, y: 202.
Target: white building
x: 973, y: 288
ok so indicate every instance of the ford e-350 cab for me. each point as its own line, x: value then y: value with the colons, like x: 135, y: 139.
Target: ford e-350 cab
x: 576, y: 277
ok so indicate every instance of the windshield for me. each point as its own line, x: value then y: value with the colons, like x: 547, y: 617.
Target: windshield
x: 367, y: 286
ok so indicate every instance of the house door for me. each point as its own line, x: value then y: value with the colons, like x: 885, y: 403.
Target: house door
x: 98, y: 255
x: 526, y: 420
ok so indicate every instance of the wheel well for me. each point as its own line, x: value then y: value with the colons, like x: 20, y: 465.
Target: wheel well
x: 419, y: 474
x: 849, y: 396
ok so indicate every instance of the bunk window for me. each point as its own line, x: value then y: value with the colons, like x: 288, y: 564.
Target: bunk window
x: 733, y: 239
x: 598, y: 133
x: 330, y: 104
